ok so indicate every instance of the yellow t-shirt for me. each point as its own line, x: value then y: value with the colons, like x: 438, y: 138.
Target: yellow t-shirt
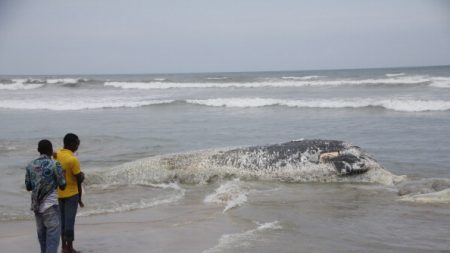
x: 71, y: 167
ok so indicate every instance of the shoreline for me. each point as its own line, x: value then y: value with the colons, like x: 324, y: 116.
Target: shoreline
x: 163, y: 229
x: 276, y: 218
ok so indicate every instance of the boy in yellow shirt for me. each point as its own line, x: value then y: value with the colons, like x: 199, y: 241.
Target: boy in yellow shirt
x: 70, y: 197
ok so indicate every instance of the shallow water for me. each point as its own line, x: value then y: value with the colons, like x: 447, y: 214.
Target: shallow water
x: 276, y: 218
x: 122, y: 124
x: 342, y: 218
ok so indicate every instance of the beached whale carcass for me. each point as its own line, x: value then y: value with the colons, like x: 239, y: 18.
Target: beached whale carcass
x: 295, y: 161
x: 346, y: 159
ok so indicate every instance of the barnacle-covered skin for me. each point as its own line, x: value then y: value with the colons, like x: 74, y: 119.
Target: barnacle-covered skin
x: 345, y: 158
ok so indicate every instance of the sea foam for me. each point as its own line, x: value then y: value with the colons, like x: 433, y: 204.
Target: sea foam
x: 239, y: 241
x: 439, y: 197
x: 402, y: 105
x: 20, y: 84
x: 86, y: 103
x: 301, y: 77
x: 62, y: 104
x: 63, y: 80
x: 176, y: 194
x: 440, y: 82
x: 425, y: 190
x: 395, y: 74
x: 231, y: 193
x: 33, y: 83
x: 288, y: 81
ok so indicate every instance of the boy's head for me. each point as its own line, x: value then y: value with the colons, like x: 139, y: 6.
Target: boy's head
x: 71, y: 142
x: 45, y: 147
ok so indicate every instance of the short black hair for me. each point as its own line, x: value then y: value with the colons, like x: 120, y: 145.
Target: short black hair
x: 45, y: 147
x: 71, y: 139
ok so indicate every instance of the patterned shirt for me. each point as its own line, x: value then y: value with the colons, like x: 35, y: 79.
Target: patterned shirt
x: 43, y: 176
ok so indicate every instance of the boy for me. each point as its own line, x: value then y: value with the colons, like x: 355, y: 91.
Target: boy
x: 43, y: 176
x: 70, y: 197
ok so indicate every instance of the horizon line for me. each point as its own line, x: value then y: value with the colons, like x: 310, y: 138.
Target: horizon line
x: 234, y: 72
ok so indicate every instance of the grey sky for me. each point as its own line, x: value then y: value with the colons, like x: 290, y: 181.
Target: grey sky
x: 154, y: 36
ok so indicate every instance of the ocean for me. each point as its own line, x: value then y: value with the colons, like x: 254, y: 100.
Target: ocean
x: 401, y: 116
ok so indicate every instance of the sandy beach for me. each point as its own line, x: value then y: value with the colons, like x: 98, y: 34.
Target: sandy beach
x: 151, y: 230
x: 348, y: 218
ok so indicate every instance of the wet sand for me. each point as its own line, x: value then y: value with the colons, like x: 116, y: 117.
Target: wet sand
x: 150, y: 230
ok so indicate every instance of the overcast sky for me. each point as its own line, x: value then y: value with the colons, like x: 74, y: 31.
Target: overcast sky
x: 158, y: 36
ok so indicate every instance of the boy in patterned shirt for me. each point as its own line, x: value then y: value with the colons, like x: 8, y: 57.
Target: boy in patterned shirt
x: 43, y: 176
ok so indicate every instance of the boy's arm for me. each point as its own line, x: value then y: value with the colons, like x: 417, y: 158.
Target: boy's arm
x: 80, y: 179
x: 60, y: 176
x: 28, y: 179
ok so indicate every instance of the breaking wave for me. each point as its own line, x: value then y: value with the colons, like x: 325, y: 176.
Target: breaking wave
x: 301, y: 77
x: 441, y: 82
x: 20, y: 84
x: 395, y: 74
x: 437, y: 82
x: 73, y: 105
x: 402, y: 105
x: 217, y: 78
x: 61, y: 104
x: 391, y: 80
x: 35, y: 83
x: 64, y: 80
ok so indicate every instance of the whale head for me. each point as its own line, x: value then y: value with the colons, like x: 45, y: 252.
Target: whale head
x: 342, y: 158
